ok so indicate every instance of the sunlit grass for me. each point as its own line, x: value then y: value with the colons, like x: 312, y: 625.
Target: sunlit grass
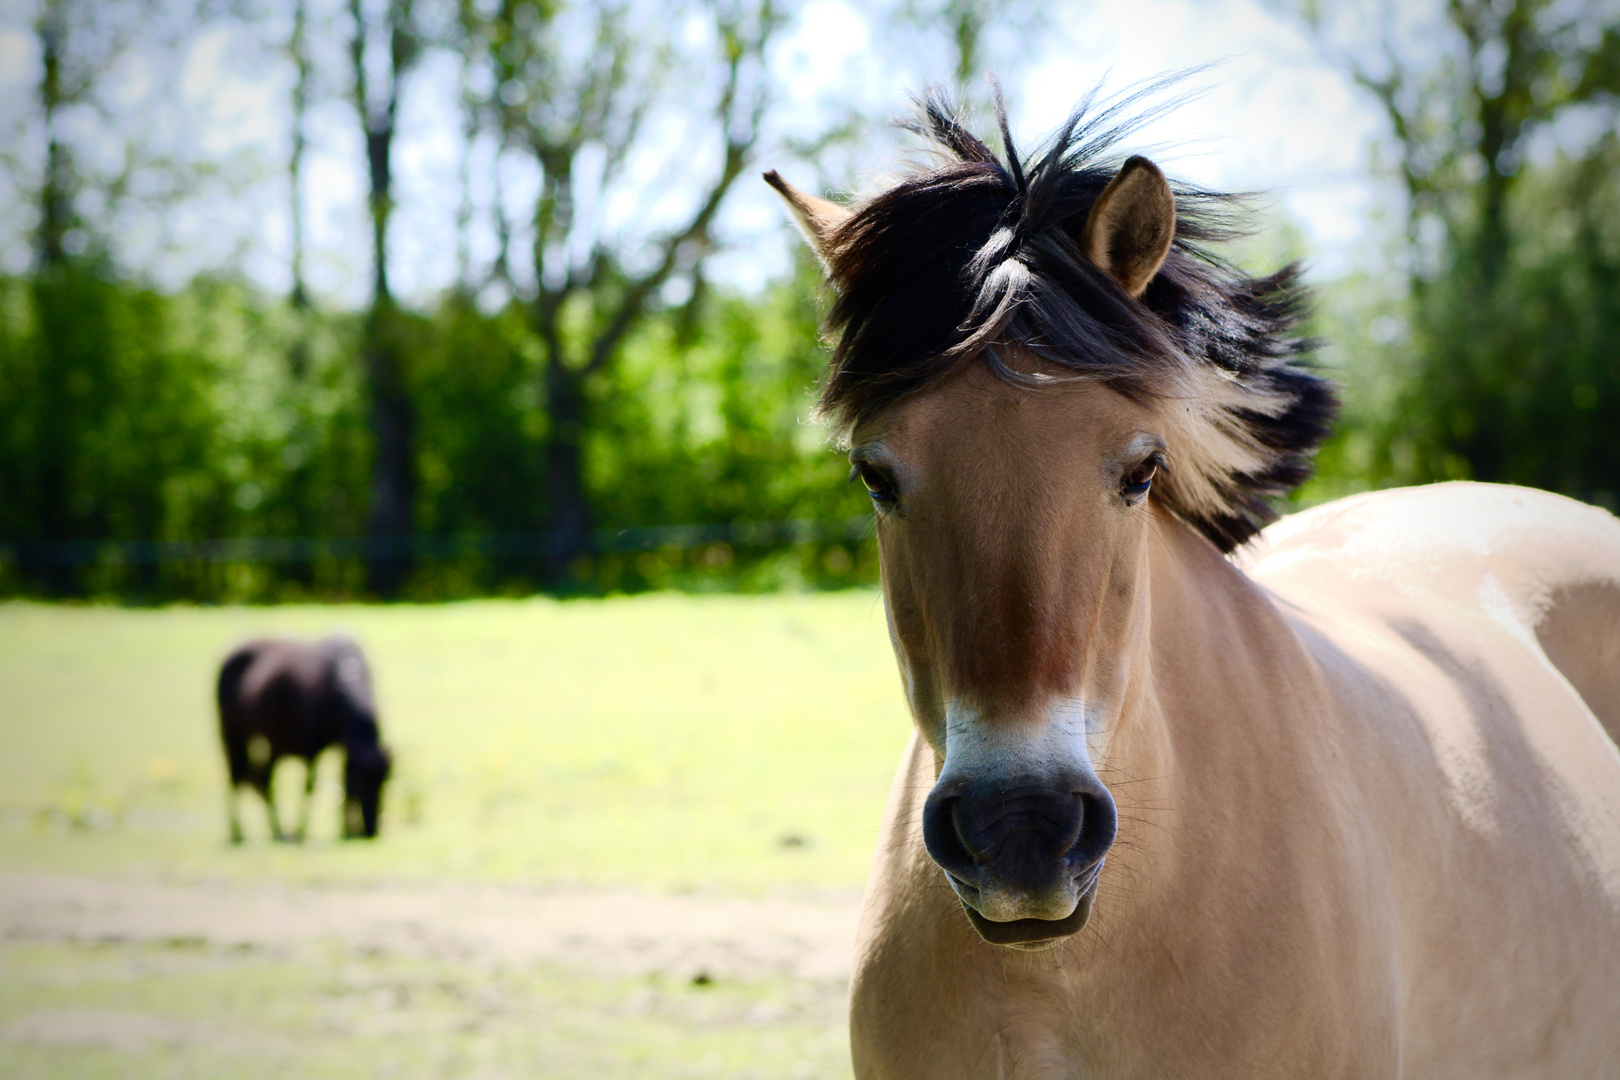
x: 736, y: 743
x: 717, y: 744
x: 180, y: 1010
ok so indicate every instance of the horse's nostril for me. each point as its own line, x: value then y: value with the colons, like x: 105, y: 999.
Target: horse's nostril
x: 944, y: 838
x: 1016, y: 833
x: 1099, y: 824
x: 962, y: 828
x: 1025, y: 823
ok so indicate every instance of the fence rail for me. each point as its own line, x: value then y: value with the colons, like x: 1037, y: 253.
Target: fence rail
x: 498, y: 545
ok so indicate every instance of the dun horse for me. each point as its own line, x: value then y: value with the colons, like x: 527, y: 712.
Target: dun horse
x: 294, y: 699
x: 1186, y: 798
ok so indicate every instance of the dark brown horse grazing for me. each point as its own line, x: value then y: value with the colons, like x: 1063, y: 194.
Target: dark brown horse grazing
x: 280, y: 698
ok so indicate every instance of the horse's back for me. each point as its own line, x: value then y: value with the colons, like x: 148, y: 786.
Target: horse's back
x: 275, y: 687
x: 348, y: 686
x: 1489, y: 615
x: 1524, y: 558
x: 234, y: 718
x: 1493, y: 525
x: 228, y: 688
x: 1470, y: 634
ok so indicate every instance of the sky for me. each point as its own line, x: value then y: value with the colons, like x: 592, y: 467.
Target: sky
x: 1273, y: 117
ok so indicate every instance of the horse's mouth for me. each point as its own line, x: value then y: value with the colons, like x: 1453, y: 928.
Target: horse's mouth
x: 1034, y: 935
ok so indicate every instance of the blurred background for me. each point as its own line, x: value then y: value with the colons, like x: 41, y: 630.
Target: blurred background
x: 474, y: 318
x: 329, y: 300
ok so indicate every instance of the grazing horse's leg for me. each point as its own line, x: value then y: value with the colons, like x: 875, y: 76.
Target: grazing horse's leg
x: 268, y: 790
x: 235, y: 822
x: 309, y: 791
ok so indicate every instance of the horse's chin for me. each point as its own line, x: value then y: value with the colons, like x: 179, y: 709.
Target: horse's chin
x: 1034, y: 935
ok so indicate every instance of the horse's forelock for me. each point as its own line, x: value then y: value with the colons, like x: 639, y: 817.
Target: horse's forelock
x: 977, y: 252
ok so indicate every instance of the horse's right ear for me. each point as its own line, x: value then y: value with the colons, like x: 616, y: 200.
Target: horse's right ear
x: 1131, y: 225
x: 817, y: 218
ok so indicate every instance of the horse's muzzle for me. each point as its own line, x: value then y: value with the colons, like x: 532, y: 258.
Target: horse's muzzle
x: 1023, y: 858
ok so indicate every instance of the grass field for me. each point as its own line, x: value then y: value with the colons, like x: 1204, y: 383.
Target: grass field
x: 725, y: 747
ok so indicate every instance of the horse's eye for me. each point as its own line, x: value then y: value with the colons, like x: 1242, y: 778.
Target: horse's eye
x: 1139, y: 479
x: 877, y: 485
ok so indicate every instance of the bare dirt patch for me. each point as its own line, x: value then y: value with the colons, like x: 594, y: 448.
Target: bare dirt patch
x: 97, y: 1027
x: 600, y: 931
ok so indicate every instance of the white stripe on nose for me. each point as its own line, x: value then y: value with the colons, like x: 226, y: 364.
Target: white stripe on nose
x: 1058, y: 742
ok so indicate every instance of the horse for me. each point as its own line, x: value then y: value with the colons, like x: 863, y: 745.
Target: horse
x: 281, y: 698
x: 1187, y: 796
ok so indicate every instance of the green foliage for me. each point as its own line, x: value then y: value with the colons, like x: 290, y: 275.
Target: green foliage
x: 127, y: 414
x: 94, y: 394
x: 1516, y: 378
x: 730, y: 408
x: 719, y: 428
x: 1362, y: 322
x: 108, y: 426
x: 475, y: 382
x: 1494, y: 358
x: 1506, y: 377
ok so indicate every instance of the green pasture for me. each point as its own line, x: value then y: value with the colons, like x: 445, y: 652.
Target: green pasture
x: 711, y: 745
x: 736, y: 743
x: 179, y: 1011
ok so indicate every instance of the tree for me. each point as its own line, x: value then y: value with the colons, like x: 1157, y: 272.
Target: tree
x: 298, y: 53
x: 57, y: 89
x: 1465, y: 84
x: 978, y: 35
x: 1512, y: 284
x: 68, y: 374
x: 389, y: 39
x: 576, y: 88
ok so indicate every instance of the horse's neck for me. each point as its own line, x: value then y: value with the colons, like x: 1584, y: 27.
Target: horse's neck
x: 1213, y: 717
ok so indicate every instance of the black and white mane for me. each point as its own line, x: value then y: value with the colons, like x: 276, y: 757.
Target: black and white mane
x: 977, y: 255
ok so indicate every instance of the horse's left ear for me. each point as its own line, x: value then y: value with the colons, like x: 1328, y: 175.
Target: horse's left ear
x: 817, y: 218
x: 1131, y: 225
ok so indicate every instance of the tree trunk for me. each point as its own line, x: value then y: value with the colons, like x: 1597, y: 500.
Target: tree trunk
x: 393, y: 430
x: 1491, y: 237
x: 56, y: 436
x: 55, y: 203
x: 569, y: 508
x: 295, y: 178
x: 392, y: 414
x: 299, y: 483
x: 393, y: 472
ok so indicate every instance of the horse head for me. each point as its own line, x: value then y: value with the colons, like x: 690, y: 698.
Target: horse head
x: 1029, y: 373
x: 365, y: 771
x: 1013, y: 529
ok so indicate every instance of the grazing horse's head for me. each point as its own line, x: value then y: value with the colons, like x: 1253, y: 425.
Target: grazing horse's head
x: 1034, y: 362
x: 367, y: 761
x: 365, y: 771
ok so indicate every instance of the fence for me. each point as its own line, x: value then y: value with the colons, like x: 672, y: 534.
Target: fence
x: 499, y: 545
